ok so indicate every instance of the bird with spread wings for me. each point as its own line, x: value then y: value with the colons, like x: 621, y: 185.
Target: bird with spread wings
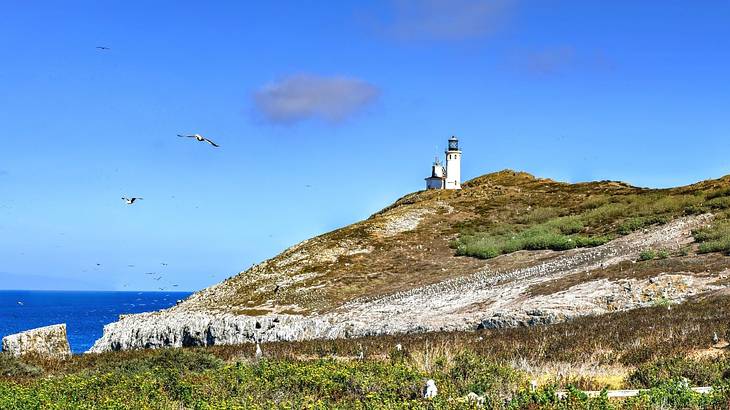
x: 199, y: 138
x: 130, y: 201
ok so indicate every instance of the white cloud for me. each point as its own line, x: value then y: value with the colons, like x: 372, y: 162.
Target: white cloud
x: 550, y: 60
x: 447, y: 19
x: 304, y: 96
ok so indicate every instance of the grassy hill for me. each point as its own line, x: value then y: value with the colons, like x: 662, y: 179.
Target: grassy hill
x: 636, y: 280
x: 430, y: 236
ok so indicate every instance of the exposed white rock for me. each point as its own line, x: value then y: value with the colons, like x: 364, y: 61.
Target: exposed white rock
x: 483, y: 299
x: 48, y: 341
x: 395, y: 222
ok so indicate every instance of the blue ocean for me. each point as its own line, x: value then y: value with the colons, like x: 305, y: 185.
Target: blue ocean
x: 85, y: 313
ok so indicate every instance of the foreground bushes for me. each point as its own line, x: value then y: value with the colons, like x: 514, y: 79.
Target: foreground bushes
x: 265, y: 384
x: 652, y: 343
x: 330, y: 383
x: 12, y: 367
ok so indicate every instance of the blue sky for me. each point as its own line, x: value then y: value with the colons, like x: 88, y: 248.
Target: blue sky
x: 325, y: 112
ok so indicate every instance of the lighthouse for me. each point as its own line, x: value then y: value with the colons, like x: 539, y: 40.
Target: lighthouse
x: 453, y: 164
x: 448, y: 177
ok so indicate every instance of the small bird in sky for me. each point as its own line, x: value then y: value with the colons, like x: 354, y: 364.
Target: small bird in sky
x: 163, y: 264
x: 20, y: 303
x: 130, y: 201
x: 149, y: 273
x: 199, y: 138
x: 103, y: 48
x: 158, y: 278
x: 174, y: 285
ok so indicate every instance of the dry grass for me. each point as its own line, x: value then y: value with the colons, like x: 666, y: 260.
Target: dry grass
x: 359, y: 261
x: 597, y: 349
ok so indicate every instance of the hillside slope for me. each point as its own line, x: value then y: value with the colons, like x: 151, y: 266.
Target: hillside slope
x: 509, y: 249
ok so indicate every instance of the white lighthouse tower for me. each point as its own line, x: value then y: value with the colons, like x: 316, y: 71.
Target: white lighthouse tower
x: 453, y: 164
x: 448, y: 177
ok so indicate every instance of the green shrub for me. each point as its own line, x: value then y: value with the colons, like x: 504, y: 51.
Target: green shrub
x: 719, y: 203
x: 715, y: 246
x: 717, y: 193
x: 557, y: 234
x: 593, y: 222
x: 195, y: 360
x: 715, y: 238
x: 665, y: 370
x: 11, y: 366
x: 472, y: 373
x: 565, y: 225
x: 639, y: 222
x: 647, y: 255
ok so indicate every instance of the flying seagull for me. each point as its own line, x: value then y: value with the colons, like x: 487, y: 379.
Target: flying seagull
x: 103, y: 48
x: 199, y: 138
x: 20, y: 303
x: 130, y: 201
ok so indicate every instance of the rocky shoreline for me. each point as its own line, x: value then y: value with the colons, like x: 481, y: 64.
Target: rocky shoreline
x: 484, y: 299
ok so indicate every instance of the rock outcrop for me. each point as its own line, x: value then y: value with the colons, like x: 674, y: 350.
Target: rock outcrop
x: 49, y: 341
x: 400, y: 270
x: 485, y: 299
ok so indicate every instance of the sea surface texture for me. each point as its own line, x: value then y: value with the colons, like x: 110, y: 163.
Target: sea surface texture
x: 85, y: 313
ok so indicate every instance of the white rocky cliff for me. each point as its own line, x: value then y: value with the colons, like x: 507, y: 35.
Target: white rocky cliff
x: 48, y: 341
x: 489, y: 297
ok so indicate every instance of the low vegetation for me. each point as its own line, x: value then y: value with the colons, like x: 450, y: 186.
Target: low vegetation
x: 586, y: 218
x: 557, y: 234
x: 664, y: 350
x: 423, y: 237
x: 715, y: 238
